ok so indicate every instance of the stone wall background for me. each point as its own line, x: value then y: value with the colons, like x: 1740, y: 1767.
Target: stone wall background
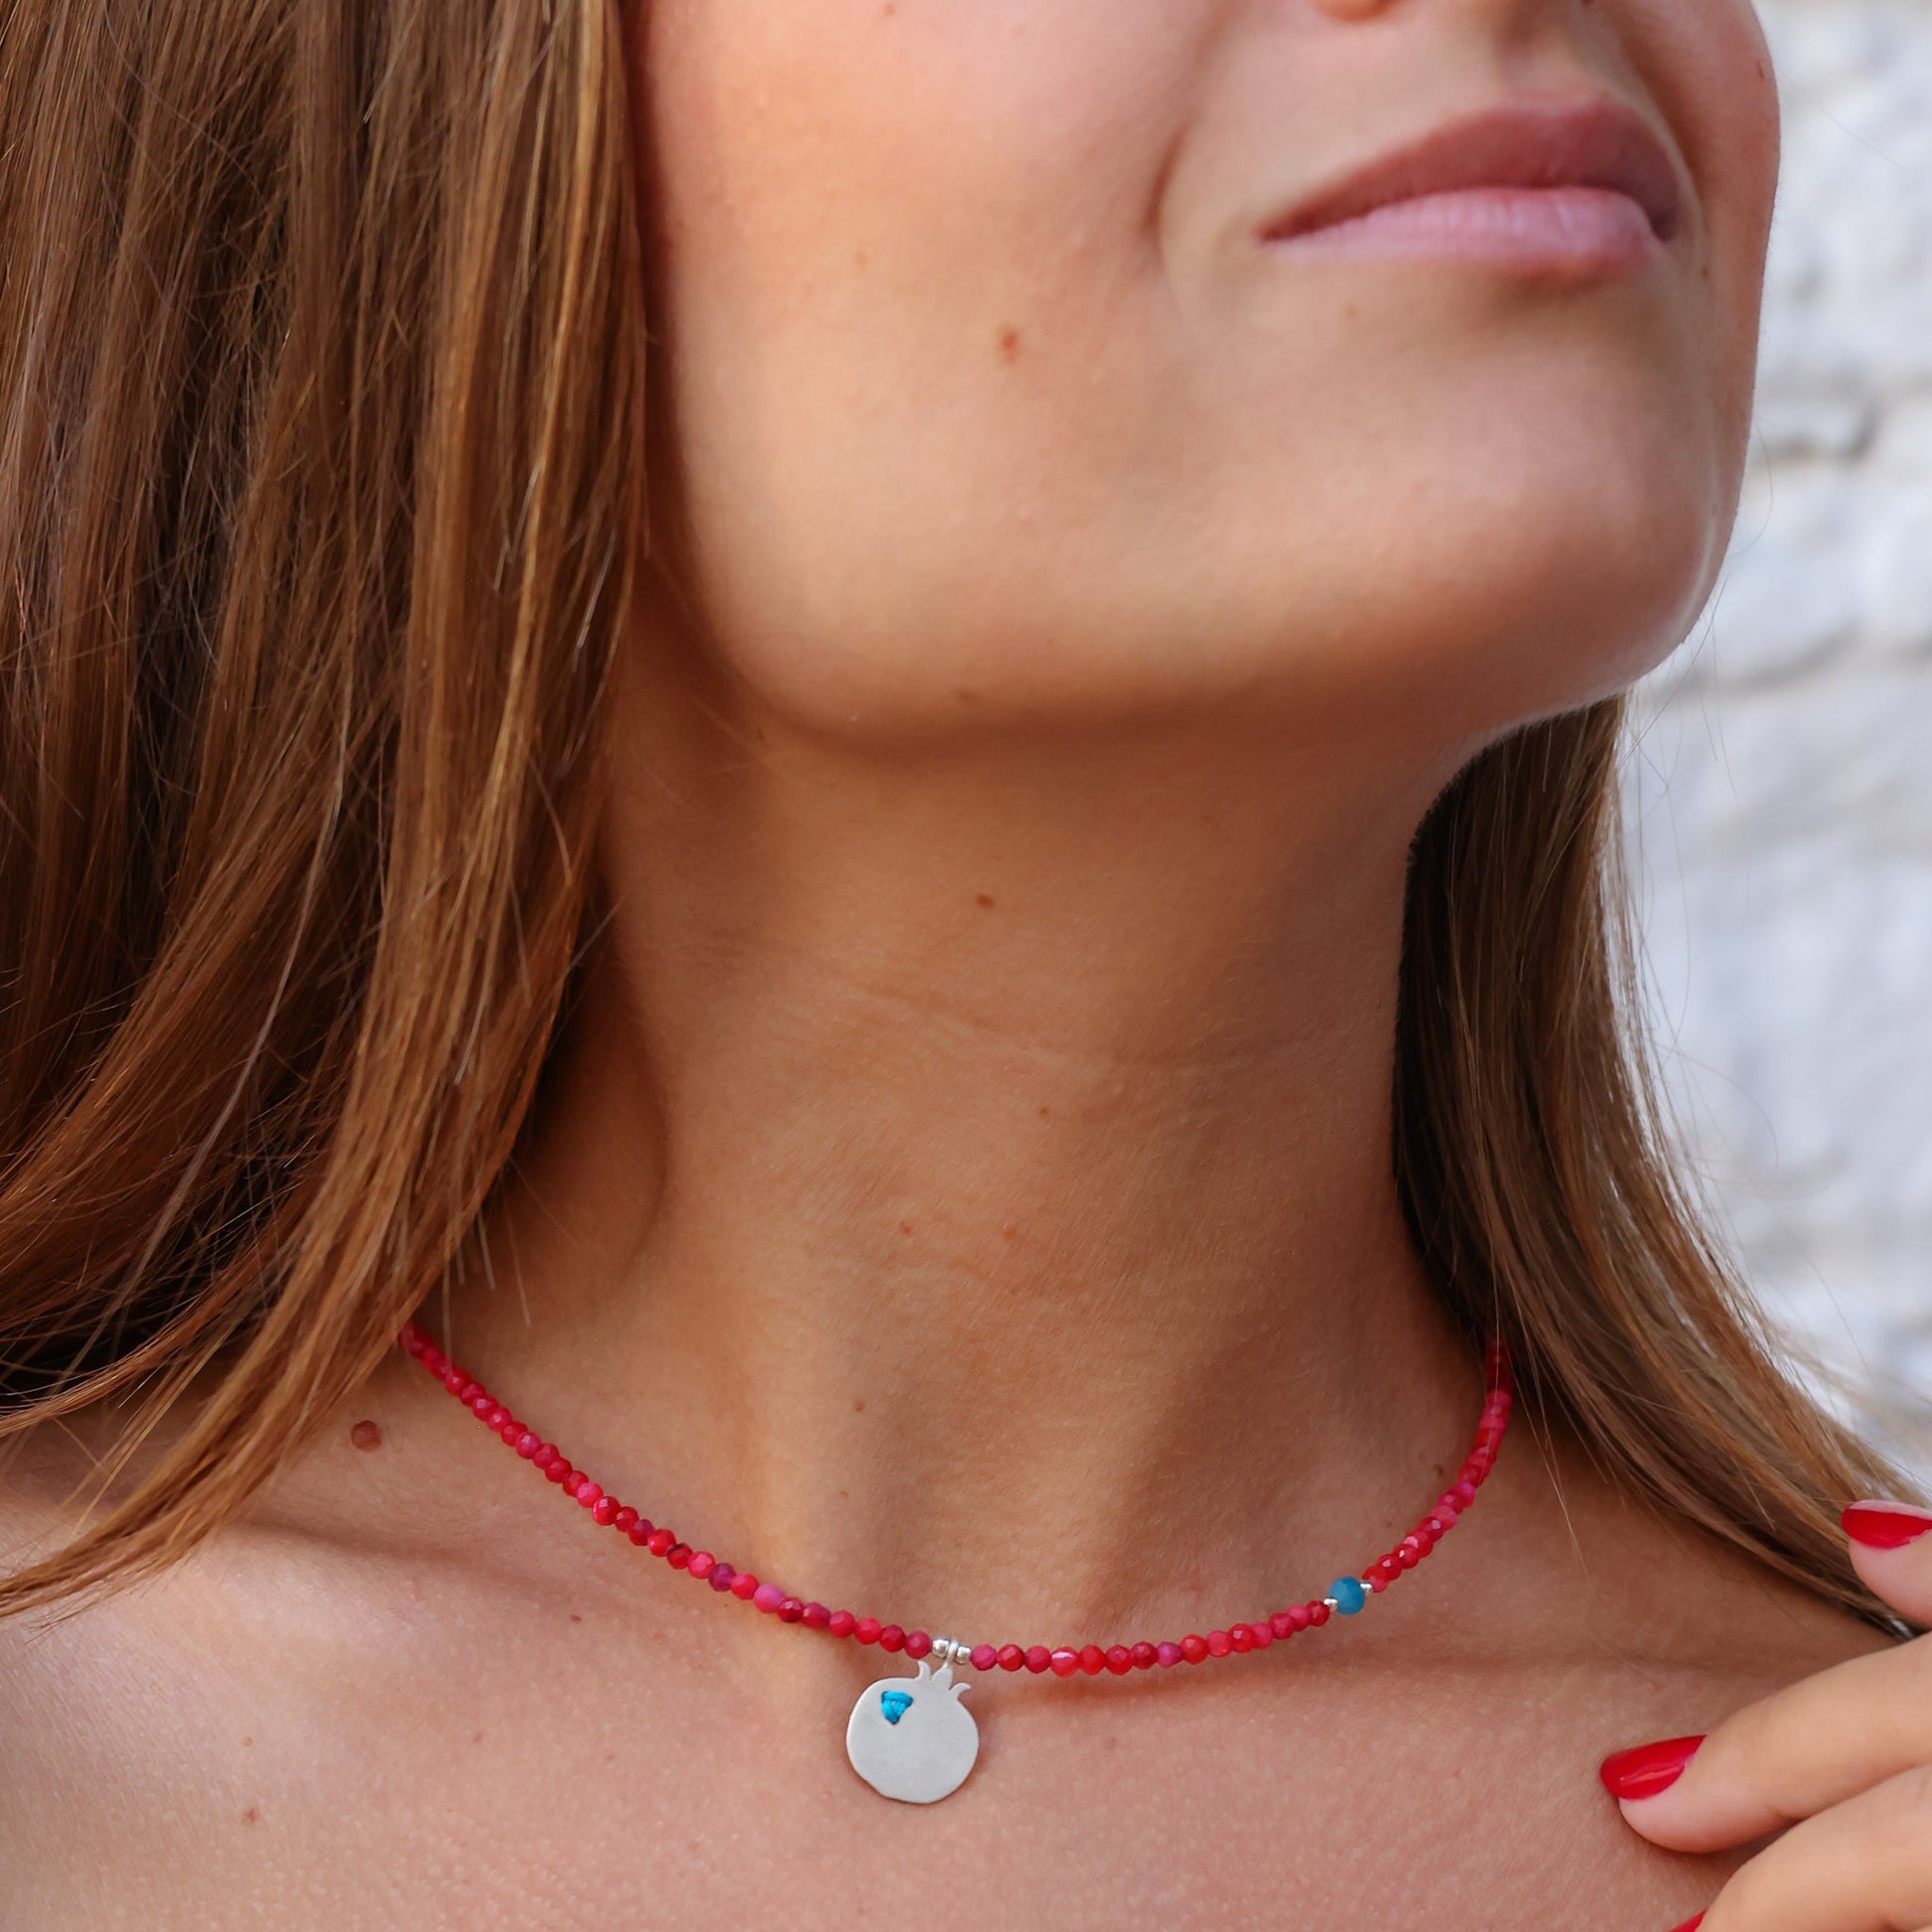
x: 1780, y: 786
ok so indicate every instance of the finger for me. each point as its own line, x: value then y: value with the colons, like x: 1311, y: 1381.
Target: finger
x: 1864, y: 1866
x: 1893, y: 1552
x: 1810, y: 1745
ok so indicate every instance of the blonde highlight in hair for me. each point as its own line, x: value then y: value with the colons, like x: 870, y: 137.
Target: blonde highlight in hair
x: 322, y: 504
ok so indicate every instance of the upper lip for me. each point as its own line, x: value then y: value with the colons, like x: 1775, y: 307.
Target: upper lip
x: 1594, y: 143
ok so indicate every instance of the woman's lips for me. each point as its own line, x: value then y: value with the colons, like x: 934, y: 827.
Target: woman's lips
x: 1567, y: 182
x: 1574, y: 228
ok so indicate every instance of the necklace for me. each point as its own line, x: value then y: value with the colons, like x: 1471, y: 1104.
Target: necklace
x: 911, y: 1738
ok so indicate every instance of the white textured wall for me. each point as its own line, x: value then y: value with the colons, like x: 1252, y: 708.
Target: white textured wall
x: 1781, y: 793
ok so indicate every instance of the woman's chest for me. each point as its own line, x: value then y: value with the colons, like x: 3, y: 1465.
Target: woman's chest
x: 578, y: 1782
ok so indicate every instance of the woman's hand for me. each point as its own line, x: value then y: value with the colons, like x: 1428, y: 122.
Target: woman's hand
x: 1844, y: 1758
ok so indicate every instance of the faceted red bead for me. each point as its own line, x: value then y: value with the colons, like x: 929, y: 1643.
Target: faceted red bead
x: 1120, y: 1660
x: 1093, y: 1660
x: 1145, y: 1655
x: 1240, y: 1637
x: 1168, y: 1653
x: 1193, y: 1648
x: 623, y: 1519
x: 867, y: 1629
x: 642, y: 1531
x: 1317, y: 1613
x: 1220, y: 1643
x: 745, y: 1586
x: 791, y: 1611
x: 918, y: 1644
x: 1012, y: 1657
x: 1283, y: 1624
x: 588, y: 1493
x: 1038, y: 1657
x: 561, y: 1473
x: 1261, y: 1634
x: 1065, y: 1662
x: 721, y: 1576
x: 701, y: 1564
x: 892, y: 1637
x: 528, y: 1444
x: 842, y: 1623
x: 604, y: 1510
x: 983, y: 1656
x: 1462, y: 1494
x: 678, y: 1555
x: 454, y: 1379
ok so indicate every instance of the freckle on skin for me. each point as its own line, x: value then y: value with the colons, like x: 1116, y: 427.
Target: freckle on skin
x: 249, y: 1815
x: 859, y: 1406
x: 577, y: 1617
x: 982, y: 898
x: 1009, y: 1229
x: 366, y: 1435
x: 1010, y: 343
x: 906, y: 1227
x: 966, y: 697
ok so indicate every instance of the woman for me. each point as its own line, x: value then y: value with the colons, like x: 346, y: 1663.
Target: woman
x: 875, y: 745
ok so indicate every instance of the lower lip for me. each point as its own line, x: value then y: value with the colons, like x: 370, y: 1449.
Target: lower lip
x: 1588, y: 231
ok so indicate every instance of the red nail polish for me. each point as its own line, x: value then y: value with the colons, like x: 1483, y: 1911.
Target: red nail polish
x: 1884, y: 1525
x: 1645, y: 1770
x: 1690, y: 1924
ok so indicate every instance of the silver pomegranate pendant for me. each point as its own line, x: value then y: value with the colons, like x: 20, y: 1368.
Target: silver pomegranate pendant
x: 911, y: 1738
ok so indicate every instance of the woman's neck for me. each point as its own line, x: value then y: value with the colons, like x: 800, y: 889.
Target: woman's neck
x: 965, y: 1185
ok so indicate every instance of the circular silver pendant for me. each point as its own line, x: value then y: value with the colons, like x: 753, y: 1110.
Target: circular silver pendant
x: 911, y: 1738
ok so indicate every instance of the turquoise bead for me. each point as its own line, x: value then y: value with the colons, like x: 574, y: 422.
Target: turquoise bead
x: 1348, y: 1593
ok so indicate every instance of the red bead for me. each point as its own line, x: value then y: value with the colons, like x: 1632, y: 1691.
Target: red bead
x: 1193, y: 1648
x: 1065, y: 1662
x: 642, y: 1531
x: 1220, y: 1643
x: 623, y: 1519
x: 1168, y: 1653
x: 721, y: 1576
x: 1038, y: 1657
x: 588, y: 1493
x: 791, y: 1611
x: 867, y: 1629
x: 1317, y: 1615
x: 817, y: 1615
x: 1240, y: 1637
x: 1093, y: 1660
x: 661, y: 1542
x: 745, y: 1586
x: 1261, y: 1634
x: 1120, y: 1660
x: 892, y: 1637
x: 701, y: 1563
x: 1461, y: 1494
x: 1145, y: 1654
x: 604, y: 1510
x: 1283, y: 1624
x: 918, y: 1644
x: 561, y: 1474
x: 983, y: 1656
x: 841, y: 1623
x: 767, y: 1597
x: 678, y: 1556
x: 1012, y: 1657
x: 454, y: 1379
x: 528, y: 1444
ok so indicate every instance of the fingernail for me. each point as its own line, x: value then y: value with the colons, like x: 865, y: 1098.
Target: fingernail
x: 1690, y: 1924
x: 1645, y: 1770
x: 1882, y: 1525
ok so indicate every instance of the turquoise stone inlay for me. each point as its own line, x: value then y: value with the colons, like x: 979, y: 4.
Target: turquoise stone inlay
x: 894, y: 1704
x: 1348, y: 1593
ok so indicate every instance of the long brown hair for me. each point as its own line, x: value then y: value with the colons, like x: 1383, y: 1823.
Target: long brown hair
x: 322, y: 459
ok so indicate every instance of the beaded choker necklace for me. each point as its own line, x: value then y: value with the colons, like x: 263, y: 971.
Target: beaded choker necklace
x: 911, y: 1738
